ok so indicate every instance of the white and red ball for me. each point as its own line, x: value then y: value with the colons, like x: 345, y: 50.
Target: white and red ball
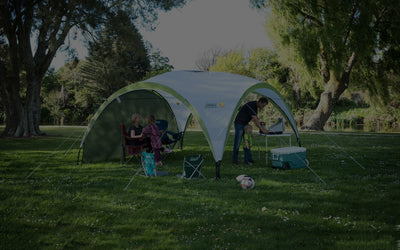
x: 247, y: 183
x: 240, y: 177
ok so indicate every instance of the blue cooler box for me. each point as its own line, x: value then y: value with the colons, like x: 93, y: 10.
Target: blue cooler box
x: 289, y: 157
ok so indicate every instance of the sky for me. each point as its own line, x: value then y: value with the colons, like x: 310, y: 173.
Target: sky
x: 184, y: 34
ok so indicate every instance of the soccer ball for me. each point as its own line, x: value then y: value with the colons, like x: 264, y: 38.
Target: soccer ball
x: 247, y: 183
x: 240, y: 177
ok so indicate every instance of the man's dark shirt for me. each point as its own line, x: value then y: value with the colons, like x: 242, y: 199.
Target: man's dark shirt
x: 245, y: 113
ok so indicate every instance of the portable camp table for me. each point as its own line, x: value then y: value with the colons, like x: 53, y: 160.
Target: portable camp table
x: 266, y: 143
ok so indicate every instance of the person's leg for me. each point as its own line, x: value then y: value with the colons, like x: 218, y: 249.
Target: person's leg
x: 246, y: 155
x: 238, y: 140
x: 250, y: 156
x: 147, y: 145
x: 157, y: 156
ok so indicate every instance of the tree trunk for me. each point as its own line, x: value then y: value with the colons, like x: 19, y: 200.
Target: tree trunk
x: 297, y: 93
x: 21, y: 119
x: 31, y: 118
x: 9, y: 92
x: 328, y: 99
x: 333, y: 90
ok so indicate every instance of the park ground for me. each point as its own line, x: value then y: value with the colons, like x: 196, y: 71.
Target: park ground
x: 347, y: 199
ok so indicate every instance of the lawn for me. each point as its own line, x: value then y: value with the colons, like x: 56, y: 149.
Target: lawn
x: 349, y: 199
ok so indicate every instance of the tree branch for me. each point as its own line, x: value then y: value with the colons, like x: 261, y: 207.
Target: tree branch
x: 307, y: 15
x: 351, y: 19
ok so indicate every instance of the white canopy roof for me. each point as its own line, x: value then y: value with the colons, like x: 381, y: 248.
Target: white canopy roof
x: 213, y: 98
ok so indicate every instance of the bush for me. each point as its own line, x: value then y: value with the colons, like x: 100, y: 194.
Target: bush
x: 371, y: 119
x: 385, y: 119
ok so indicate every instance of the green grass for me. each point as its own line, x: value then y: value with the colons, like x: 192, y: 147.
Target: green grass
x: 47, y: 201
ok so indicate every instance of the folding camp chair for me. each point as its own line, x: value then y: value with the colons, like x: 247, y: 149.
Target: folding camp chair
x: 128, y: 146
x: 148, y: 164
x: 192, y: 166
x: 168, y: 138
x: 148, y: 167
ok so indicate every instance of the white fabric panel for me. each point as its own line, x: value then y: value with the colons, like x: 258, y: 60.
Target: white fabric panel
x: 274, y: 97
x: 180, y: 111
x: 214, y: 95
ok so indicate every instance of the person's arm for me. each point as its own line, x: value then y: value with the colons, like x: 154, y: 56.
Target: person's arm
x: 135, y: 136
x: 258, y: 124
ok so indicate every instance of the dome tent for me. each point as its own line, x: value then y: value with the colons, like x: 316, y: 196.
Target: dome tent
x: 213, y: 98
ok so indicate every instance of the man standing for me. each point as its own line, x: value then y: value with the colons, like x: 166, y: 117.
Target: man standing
x: 247, y: 113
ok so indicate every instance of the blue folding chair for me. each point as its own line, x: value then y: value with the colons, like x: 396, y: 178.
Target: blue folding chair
x: 168, y: 138
x: 149, y: 166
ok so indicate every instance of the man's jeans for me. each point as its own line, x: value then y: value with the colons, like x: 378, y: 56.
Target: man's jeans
x: 238, y: 140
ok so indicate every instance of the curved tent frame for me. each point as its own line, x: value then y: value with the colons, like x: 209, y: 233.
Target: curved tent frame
x: 213, y: 98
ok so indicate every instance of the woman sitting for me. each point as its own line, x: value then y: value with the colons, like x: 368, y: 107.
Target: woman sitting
x: 135, y: 130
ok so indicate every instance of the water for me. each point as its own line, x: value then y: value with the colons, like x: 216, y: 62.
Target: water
x: 362, y: 128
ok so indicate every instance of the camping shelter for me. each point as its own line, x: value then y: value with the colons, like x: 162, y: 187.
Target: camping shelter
x: 213, y: 98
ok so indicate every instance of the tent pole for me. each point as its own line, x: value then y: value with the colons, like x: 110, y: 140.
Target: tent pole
x: 217, y: 170
x: 79, y: 153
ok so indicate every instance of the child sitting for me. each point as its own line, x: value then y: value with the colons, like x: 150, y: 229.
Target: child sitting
x: 152, y: 131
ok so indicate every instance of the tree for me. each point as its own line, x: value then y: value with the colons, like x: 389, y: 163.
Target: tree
x: 48, y: 23
x: 332, y: 38
x: 159, y: 64
x: 54, y: 96
x: 117, y: 57
x: 233, y: 62
x: 83, y: 100
x: 209, y: 58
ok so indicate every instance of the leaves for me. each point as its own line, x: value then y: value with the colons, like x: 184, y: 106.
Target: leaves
x: 33, y: 31
x: 336, y: 43
x: 116, y: 58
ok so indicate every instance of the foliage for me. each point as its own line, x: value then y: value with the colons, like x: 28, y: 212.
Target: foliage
x: 83, y: 100
x: 47, y: 201
x: 309, y: 27
x: 263, y: 64
x: 159, y: 64
x: 381, y: 84
x: 118, y: 56
x: 233, y: 62
x: 65, y: 98
x: 329, y: 40
x: 55, y: 99
x: 82, y: 97
x: 375, y: 119
x: 46, y: 24
x: 209, y: 58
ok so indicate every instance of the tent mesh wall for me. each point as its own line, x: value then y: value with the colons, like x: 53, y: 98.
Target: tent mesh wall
x: 103, y: 141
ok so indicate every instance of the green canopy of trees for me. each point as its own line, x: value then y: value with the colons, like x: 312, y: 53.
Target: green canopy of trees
x: 339, y: 44
x: 117, y: 56
x: 24, y: 63
x: 73, y: 93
